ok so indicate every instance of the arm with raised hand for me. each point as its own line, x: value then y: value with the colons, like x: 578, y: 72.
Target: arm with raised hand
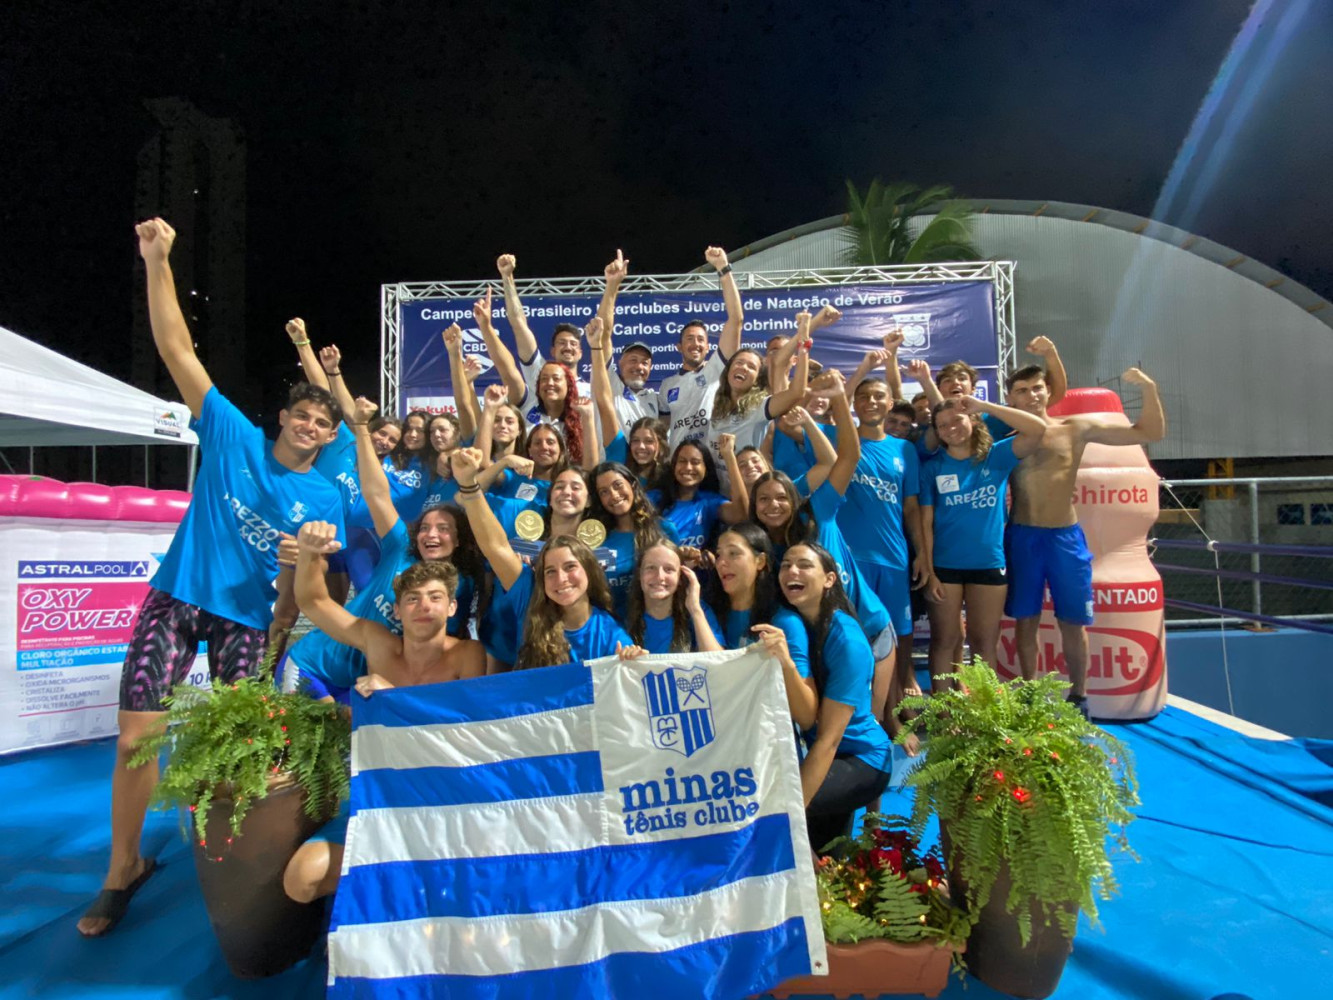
x: 1150, y: 427
x: 374, y: 483
x: 504, y: 360
x: 600, y: 349
x: 330, y: 360
x: 866, y: 368
x: 310, y: 366
x: 892, y: 377
x: 170, y: 334
x: 839, y: 473
x: 1029, y: 428
x: 1057, y: 381
x: 524, y: 341
x: 730, y: 340
x: 486, y: 527
x: 465, y: 400
x: 788, y: 392
x: 495, y: 398
x: 315, y: 540
x: 737, y: 507
x: 919, y: 369
x: 606, y: 310
x: 512, y: 463
x: 592, y: 444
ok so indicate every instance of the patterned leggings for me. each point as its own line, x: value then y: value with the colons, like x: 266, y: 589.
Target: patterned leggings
x: 166, y: 640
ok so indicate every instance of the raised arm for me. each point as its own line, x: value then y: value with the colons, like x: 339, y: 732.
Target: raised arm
x: 1057, y: 382
x: 599, y: 346
x: 730, y: 340
x: 919, y: 369
x: 465, y: 400
x: 374, y: 483
x: 1030, y: 428
x: 494, y: 399
x: 892, y: 377
x: 310, y: 367
x: 524, y: 341
x: 849, y: 442
x: 1150, y: 427
x: 872, y: 360
x: 504, y: 361
x: 786, y: 392
x: 330, y: 360
x: 606, y: 310
x: 486, y: 527
x: 737, y: 507
x: 592, y: 444
x: 170, y: 334
x: 510, y: 463
x: 315, y: 540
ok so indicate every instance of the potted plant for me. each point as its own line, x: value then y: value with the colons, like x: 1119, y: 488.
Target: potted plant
x: 1027, y: 792
x: 259, y: 771
x: 886, y: 914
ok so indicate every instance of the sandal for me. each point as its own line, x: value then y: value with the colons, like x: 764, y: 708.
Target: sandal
x: 111, y: 904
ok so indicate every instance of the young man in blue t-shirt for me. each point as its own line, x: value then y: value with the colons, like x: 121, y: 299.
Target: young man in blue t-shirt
x: 215, y: 583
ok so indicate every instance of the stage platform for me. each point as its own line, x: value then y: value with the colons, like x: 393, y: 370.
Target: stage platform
x: 1233, y: 896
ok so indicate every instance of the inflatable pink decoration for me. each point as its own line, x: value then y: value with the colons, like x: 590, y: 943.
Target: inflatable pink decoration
x: 35, y: 496
x: 1116, y: 501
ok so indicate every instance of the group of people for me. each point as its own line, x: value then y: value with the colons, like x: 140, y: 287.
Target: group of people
x: 550, y: 521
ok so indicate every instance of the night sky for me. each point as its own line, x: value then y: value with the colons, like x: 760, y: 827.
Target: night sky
x: 412, y: 140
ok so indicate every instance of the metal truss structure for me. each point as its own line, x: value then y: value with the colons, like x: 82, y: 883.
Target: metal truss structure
x: 1000, y: 273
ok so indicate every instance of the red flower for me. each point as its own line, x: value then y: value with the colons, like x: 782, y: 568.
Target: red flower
x: 887, y: 857
x: 1027, y: 751
x: 1054, y: 755
x: 999, y: 775
x: 1022, y: 795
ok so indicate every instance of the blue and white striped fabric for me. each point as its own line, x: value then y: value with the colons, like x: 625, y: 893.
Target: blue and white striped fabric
x: 606, y: 830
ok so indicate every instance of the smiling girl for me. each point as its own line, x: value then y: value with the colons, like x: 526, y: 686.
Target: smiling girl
x: 665, y: 611
x: 632, y: 524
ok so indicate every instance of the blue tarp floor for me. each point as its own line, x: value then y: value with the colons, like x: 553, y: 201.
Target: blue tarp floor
x: 1232, y: 897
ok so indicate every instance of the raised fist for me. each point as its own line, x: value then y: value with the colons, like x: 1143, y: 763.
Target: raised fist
x: 472, y: 368
x: 874, y: 359
x: 826, y: 316
x: 296, y: 329
x: 155, y: 240
x: 318, y: 538
x: 726, y: 444
x: 466, y: 463
x: 893, y: 340
x: 453, y: 337
x: 523, y: 466
x: 1137, y: 376
x: 331, y: 358
x: 716, y: 256
x: 495, y: 397
x: 593, y: 332
x: 363, y: 410
x: 505, y: 264
x: 919, y: 369
x: 1041, y: 346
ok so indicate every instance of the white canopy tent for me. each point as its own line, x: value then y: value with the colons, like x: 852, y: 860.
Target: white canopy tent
x: 46, y: 399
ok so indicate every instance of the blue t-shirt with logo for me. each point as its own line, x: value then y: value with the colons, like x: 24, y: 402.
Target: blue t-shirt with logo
x: 795, y: 458
x: 694, y: 519
x: 621, y: 571
x: 968, y: 498
x: 873, y: 515
x: 850, y: 668
x: 516, y: 487
x: 738, y: 635
x: 337, y: 464
x: 825, y: 504
x: 594, y: 638
x: 338, y: 665
x: 224, y: 556
x: 657, y: 632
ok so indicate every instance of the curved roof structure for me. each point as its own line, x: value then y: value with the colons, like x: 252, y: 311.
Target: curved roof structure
x: 1242, y: 352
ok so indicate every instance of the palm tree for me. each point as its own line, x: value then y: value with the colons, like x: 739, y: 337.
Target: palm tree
x: 878, y: 229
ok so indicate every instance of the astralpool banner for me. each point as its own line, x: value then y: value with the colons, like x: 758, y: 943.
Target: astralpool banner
x: 75, y: 563
x: 942, y: 322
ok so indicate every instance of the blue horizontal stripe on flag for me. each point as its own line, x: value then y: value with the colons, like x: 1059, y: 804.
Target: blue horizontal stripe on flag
x: 542, y: 883
x: 522, y: 778
x: 479, y: 699
x: 734, y: 966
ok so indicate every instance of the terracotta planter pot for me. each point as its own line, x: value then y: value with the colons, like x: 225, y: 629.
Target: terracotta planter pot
x: 261, y: 931
x: 875, y: 967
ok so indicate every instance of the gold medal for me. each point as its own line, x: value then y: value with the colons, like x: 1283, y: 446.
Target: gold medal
x: 591, y: 533
x: 529, y: 525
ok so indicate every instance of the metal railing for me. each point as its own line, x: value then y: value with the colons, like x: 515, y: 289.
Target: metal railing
x: 1262, y: 547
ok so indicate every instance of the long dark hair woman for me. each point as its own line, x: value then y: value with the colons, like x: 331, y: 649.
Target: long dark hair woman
x: 849, y: 759
x: 632, y: 524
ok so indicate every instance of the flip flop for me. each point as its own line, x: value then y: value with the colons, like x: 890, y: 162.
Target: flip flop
x: 111, y: 904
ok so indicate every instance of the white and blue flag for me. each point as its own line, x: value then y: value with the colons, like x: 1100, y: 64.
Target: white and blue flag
x: 606, y: 830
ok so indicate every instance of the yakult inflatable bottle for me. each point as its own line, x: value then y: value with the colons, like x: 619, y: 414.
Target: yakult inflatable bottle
x: 1116, y: 501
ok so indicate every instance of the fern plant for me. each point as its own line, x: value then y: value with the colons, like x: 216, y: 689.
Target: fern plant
x: 239, y: 737
x: 1017, y: 776
x: 881, y: 884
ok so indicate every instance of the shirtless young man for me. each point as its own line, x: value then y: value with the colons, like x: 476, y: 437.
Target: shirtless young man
x: 1044, y: 543
x: 424, y: 654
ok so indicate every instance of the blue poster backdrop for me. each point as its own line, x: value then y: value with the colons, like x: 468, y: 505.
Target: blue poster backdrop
x: 942, y: 322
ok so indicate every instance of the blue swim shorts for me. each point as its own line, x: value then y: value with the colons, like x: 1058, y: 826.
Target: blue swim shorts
x: 1054, y: 557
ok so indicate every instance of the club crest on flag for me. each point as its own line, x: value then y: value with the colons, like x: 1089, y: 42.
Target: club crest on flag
x: 680, y: 712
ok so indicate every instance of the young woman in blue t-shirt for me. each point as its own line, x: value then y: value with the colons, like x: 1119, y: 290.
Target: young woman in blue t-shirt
x: 563, y: 596
x: 631, y: 521
x: 850, y: 757
x: 744, y: 597
x: 962, y: 496
x: 690, y: 499
x: 665, y: 611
